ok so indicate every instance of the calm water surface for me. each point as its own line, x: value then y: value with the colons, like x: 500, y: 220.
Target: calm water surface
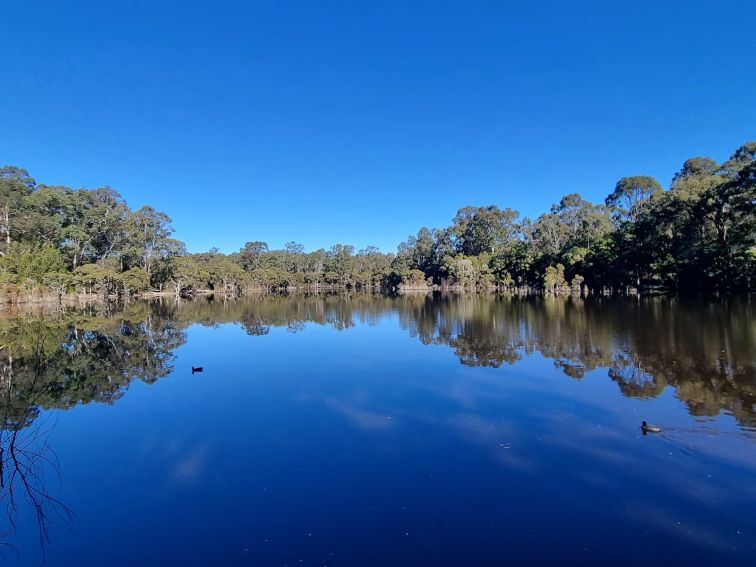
x: 369, y: 430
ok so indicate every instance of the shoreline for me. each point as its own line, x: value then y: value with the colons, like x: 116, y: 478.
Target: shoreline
x: 34, y: 301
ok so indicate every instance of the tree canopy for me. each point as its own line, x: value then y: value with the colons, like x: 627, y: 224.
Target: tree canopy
x: 699, y: 234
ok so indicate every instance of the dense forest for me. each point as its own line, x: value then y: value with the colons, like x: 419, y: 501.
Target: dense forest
x: 699, y: 234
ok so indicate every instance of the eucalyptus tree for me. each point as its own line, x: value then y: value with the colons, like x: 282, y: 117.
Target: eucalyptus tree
x: 226, y: 276
x: 574, y: 233
x: 251, y: 253
x: 484, y: 229
x: 44, y: 213
x: 188, y: 274
x: 15, y: 185
x: 698, y: 234
x: 372, y: 267
x: 730, y: 208
x: 419, y: 253
x: 339, y: 265
x: 107, y: 221
x: 631, y: 195
x: 31, y: 262
x: 149, y: 237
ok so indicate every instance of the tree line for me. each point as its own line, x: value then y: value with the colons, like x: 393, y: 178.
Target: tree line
x: 698, y: 234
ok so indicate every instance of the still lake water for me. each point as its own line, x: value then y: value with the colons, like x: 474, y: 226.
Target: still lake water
x: 369, y: 430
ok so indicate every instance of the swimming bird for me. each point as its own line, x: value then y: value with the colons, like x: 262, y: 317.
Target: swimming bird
x: 648, y: 428
x: 200, y: 369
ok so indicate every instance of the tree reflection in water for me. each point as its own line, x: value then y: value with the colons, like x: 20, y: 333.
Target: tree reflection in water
x: 25, y: 455
x: 59, y: 362
x: 704, y: 350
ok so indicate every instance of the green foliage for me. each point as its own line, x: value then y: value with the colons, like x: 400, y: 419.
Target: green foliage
x: 513, y: 264
x: 631, y: 196
x: 250, y: 255
x: 15, y: 185
x: 484, y: 229
x: 553, y: 279
x: 577, y: 283
x: 188, y: 274
x: 470, y: 272
x: 461, y: 271
x: 413, y: 277
x: 226, y: 276
x: 31, y: 261
x: 270, y: 277
x: 96, y: 278
x: 699, y: 234
x: 58, y: 282
x: 134, y: 280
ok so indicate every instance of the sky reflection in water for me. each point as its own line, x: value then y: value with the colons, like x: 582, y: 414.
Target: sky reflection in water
x: 369, y: 430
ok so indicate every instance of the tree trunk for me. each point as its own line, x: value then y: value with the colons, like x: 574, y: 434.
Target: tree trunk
x: 7, y: 226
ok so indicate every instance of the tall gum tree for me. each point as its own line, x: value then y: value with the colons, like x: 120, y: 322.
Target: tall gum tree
x: 15, y: 184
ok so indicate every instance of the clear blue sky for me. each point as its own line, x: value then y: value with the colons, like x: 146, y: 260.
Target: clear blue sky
x: 360, y: 122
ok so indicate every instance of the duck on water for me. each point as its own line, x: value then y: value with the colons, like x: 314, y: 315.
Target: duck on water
x: 648, y: 428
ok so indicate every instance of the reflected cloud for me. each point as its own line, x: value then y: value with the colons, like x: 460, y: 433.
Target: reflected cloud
x: 361, y: 417
x: 191, y: 466
x: 656, y: 517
